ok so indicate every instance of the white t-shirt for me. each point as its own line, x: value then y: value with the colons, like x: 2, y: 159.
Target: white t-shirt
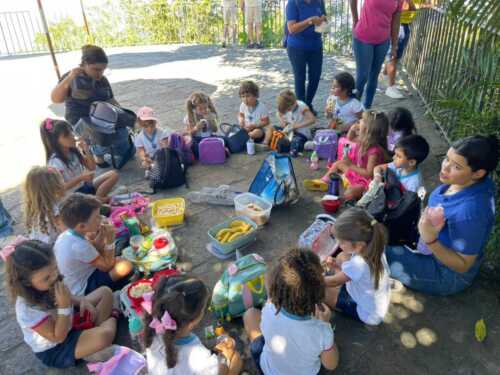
x: 347, y: 111
x: 211, y: 126
x: 296, y: 116
x: 51, y: 236
x: 411, y: 181
x: 74, y: 255
x: 70, y: 171
x: 293, y: 343
x: 372, y: 304
x: 254, y: 115
x: 151, y: 144
x: 193, y: 358
x: 29, y: 317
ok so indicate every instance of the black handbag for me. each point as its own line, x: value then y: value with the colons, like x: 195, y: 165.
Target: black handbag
x: 235, y: 137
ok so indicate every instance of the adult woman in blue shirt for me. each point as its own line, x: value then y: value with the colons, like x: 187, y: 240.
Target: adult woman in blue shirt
x: 305, y: 46
x: 455, y: 246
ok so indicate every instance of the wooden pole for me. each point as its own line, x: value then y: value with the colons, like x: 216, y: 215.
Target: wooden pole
x: 85, y: 23
x: 49, y: 40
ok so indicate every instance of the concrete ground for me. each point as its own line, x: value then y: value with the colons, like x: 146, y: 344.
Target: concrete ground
x: 421, y: 334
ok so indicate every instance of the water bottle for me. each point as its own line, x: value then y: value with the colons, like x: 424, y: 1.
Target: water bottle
x: 334, y: 185
x: 314, y: 161
x: 251, y: 147
x: 345, y: 150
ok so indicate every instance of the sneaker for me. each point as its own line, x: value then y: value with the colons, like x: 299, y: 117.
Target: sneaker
x: 224, y: 45
x: 309, y: 146
x: 394, y: 93
x: 259, y: 45
x: 250, y: 45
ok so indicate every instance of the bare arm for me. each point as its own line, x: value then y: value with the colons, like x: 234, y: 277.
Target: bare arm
x: 340, y: 278
x: 395, y: 24
x: 370, y: 166
x: 330, y: 358
x: 309, y: 119
x: 354, y: 11
x: 297, y: 27
x: 61, y: 91
x: 264, y: 121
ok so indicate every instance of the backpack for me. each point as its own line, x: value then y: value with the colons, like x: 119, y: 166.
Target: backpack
x: 275, y: 181
x: 167, y: 171
x: 235, y: 137
x: 325, y: 144
x: 5, y: 222
x: 284, y: 41
x: 398, y: 209
x: 125, y: 361
x: 317, y: 237
x: 178, y: 143
x: 240, y: 287
x: 131, y: 205
x: 211, y: 151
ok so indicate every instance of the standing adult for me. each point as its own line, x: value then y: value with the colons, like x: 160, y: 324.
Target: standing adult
x: 377, y: 27
x: 305, y: 46
x: 82, y: 86
x: 253, y: 19
x: 451, y: 248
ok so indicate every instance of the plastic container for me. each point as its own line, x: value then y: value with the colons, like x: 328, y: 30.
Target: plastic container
x: 331, y: 206
x: 136, y: 242
x: 237, y: 243
x: 168, y: 212
x: 221, y: 195
x: 254, y: 207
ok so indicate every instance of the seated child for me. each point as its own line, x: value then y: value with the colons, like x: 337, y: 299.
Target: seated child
x: 342, y: 107
x: 360, y: 287
x: 150, y: 138
x: 179, y: 305
x: 74, y: 161
x: 253, y: 116
x: 85, y: 252
x: 409, y: 152
x: 201, y: 119
x: 43, y: 190
x: 44, y: 307
x: 295, y: 119
x: 293, y: 334
x: 367, y: 151
x: 401, y: 124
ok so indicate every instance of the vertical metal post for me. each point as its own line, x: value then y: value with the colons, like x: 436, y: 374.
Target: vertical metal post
x: 49, y: 40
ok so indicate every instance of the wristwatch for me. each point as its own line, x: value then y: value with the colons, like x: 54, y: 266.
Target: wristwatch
x: 66, y: 311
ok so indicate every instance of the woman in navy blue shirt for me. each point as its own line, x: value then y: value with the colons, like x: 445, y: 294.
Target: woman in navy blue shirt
x: 305, y: 46
x: 450, y: 251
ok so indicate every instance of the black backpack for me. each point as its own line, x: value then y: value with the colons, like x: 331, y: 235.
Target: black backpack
x: 168, y: 171
x: 398, y: 209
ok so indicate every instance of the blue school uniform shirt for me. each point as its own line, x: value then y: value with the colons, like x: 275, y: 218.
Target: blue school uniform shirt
x: 470, y: 215
x: 299, y: 10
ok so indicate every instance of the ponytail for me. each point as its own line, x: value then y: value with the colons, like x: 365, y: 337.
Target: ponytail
x: 374, y: 251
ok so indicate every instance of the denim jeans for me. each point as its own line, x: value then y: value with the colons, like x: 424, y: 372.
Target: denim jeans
x: 425, y: 273
x: 369, y: 60
x: 303, y: 61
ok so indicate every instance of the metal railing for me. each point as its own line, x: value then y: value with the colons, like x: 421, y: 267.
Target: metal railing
x: 17, y: 33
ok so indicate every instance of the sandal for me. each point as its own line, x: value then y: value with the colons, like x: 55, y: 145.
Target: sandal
x: 315, y: 185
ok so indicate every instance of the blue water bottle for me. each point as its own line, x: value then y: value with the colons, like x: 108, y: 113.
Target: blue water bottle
x: 334, y: 185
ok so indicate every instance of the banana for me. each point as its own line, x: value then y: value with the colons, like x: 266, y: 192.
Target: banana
x: 222, y: 232
x: 225, y: 237
x: 237, y: 223
x: 233, y: 236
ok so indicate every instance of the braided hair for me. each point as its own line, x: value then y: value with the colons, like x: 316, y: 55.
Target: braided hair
x: 297, y: 283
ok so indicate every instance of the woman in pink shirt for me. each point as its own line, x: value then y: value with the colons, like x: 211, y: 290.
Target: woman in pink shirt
x: 372, y: 34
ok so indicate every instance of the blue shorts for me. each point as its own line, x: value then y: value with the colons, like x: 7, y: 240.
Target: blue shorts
x: 346, y: 304
x: 99, y: 278
x: 62, y: 355
x: 256, y: 348
x: 87, y: 188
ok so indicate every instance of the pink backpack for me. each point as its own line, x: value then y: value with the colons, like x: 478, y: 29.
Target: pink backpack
x: 132, y: 205
x: 212, y: 151
x: 125, y: 362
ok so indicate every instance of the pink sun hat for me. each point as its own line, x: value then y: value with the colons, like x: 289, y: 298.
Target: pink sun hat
x: 146, y: 113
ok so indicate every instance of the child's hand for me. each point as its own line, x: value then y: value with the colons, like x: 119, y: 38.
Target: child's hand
x: 323, y: 313
x: 83, y: 147
x: 146, y: 163
x: 87, y: 306
x: 63, y: 296
x: 108, y: 231
x: 331, y: 263
x: 76, y: 72
x: 226, y: 347
x: 87, y: 176
x: 250, y: 127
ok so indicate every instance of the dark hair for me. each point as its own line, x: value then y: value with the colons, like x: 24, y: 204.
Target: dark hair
x: 414, y: 147
x: 185, y: 298
x: 355, y: 224
x: 249, y: 87
x: 481, y: 151
x: 297, y: 283
x: 286, y: 99
x: 401, y: 120
x: 50, y: 131
x: 29, y: 257
x: 346, y: 82
x: 93, y: 55
x: 78, y: 208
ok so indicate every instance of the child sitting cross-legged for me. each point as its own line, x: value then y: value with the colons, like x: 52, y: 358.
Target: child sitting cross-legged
x: 151, y: 137
x: 253, y: 116
x: 293, y: 335
x: 409, y: 152
x: 360, y: 287
x: 295, y: 119
x: 178, y: 306
x: 44, y: 307
x: 85, y: 252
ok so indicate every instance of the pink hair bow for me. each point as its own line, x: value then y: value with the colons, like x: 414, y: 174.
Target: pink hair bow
x: 147, y: 303
x: 166, y: 324
x: 48, y: 124
x: 11, y: 247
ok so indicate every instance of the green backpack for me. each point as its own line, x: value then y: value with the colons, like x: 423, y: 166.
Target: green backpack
x: 240, y: 287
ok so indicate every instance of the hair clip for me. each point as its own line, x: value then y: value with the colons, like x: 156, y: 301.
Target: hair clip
x: 48, y: 125
x: 165, y: 324
x: 11, y: 247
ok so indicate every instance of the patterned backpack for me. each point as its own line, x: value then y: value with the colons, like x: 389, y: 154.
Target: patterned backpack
x: 240, y: 287
x: 317, y: 237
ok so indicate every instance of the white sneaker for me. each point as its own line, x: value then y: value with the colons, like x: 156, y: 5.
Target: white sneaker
x: 309, y: 146
x: 394, y: 93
